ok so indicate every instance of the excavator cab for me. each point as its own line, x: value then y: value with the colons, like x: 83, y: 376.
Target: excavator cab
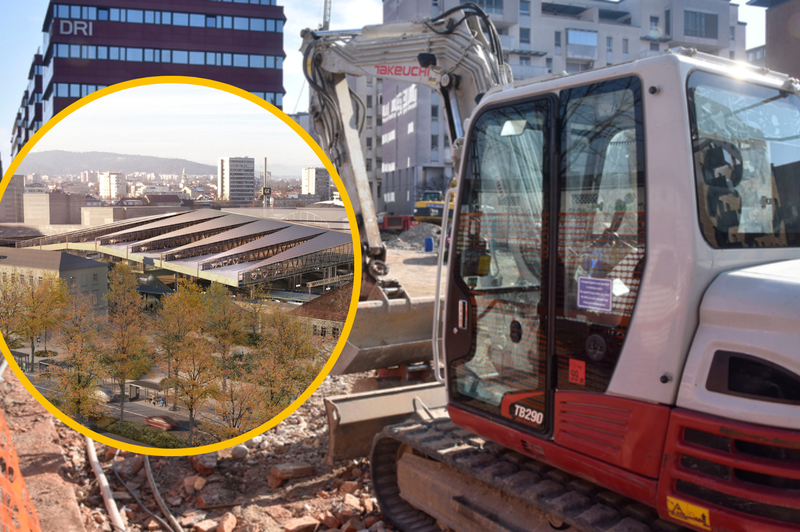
x: 575, y: 201
x: 555, y: 282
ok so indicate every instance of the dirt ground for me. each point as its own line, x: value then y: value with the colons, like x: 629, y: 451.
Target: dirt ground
x: 238, y: 488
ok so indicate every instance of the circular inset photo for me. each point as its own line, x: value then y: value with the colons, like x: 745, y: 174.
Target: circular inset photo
x: 178, y: 270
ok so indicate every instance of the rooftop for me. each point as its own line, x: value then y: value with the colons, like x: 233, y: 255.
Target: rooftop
x: 45, y: 260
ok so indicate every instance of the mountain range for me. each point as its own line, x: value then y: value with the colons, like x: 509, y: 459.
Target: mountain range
x: 63, y: 163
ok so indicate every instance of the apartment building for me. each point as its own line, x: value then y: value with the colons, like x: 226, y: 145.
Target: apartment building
x: 316, y: 181
x: 539, y: 39
x: 236, y: 179
x: 112, y: 185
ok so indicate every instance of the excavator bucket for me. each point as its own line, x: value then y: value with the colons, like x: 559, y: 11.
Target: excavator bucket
x: 387, y: 333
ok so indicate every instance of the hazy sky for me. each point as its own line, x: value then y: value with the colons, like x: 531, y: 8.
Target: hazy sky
x: 20, y: 36
x: 182, y: 121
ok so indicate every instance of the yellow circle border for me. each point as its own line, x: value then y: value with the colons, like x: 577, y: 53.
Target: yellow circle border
x: 187, y: 80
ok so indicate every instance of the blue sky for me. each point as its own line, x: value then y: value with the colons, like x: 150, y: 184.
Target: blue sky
x: 20, y: 36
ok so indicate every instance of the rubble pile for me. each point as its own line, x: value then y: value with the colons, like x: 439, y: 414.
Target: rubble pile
x: 275, y: 482
x: 414, y: 238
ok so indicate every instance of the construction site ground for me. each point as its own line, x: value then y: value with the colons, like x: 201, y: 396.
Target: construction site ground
x: 278, y: 482
x: 199, y: 491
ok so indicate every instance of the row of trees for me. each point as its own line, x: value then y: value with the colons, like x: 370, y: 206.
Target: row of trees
x: 237, y: 364
x: 232, y: 365
x: 29, y: 307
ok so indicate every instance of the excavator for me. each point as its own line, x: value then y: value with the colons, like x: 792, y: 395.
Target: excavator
x: 431, y: 207
x: 615, y: 334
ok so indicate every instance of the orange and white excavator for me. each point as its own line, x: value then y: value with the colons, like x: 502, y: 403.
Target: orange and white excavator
x: 618, y: 336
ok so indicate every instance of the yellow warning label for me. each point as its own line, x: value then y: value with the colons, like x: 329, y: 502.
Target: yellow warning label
x: 689, y: 513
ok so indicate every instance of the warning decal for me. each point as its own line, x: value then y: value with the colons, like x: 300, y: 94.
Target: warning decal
x: 689, y: 513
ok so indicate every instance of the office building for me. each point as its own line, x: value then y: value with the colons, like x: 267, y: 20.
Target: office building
x: 236, y: 179
x: 90, y: 44
x: 539, y: 39
x: 782, y: 36
x: 318, y: 182
x: 112, y: 185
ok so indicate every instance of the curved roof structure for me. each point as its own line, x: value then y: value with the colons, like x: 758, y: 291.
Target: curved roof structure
x: 230, y: 248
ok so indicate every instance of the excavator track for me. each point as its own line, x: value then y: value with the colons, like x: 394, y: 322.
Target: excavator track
x: 563, y: 497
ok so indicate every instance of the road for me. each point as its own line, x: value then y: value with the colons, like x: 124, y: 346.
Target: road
x: 135, y: 411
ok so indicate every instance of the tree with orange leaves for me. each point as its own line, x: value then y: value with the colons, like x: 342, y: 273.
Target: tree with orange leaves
x: 194, y: 376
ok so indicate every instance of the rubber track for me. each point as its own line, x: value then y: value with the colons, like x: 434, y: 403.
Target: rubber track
x: 585, y: 506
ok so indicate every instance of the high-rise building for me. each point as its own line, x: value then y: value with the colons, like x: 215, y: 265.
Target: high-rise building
x: 317, y: 182
x: 236, y: 179
x: 539, y: 39
x: 91, y: 44
x: 112, y: 185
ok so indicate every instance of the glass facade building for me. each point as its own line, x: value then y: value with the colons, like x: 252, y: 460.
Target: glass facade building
x: 96, y: 43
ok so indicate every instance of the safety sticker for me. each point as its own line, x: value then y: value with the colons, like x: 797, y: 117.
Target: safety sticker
x: 577, y: 371
x: 594, y: 294
x: 689, y: 513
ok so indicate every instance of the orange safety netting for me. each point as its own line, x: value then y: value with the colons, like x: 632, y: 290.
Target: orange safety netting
x: 17, y: 513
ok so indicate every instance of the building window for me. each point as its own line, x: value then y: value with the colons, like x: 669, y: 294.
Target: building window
x: 525, y: 60
x: 94, y: 278
x: 653, y: 23
x: 525, y: 35
x: 369, y: 165
x: 549, y: 65
x: 434, y: 113
x: 733, y: 34
x: 654, y: 47
x: 524, y: 7
x: 609, y: 50
x: 369, y: 143
x: 490, y: 6
x: 558, y: 43
x: 697, y: 24
x: 667, y: 22
x: 624, y: 49
x: 369, y: 121
x: 733, y: 54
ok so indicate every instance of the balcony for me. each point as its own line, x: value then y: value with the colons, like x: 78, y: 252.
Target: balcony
x: 509, y: 42
x: 528, y: 71
x: 582, y: 51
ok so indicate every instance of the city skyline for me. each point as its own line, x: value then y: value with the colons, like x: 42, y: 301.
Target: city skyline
x: 24, y: 36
